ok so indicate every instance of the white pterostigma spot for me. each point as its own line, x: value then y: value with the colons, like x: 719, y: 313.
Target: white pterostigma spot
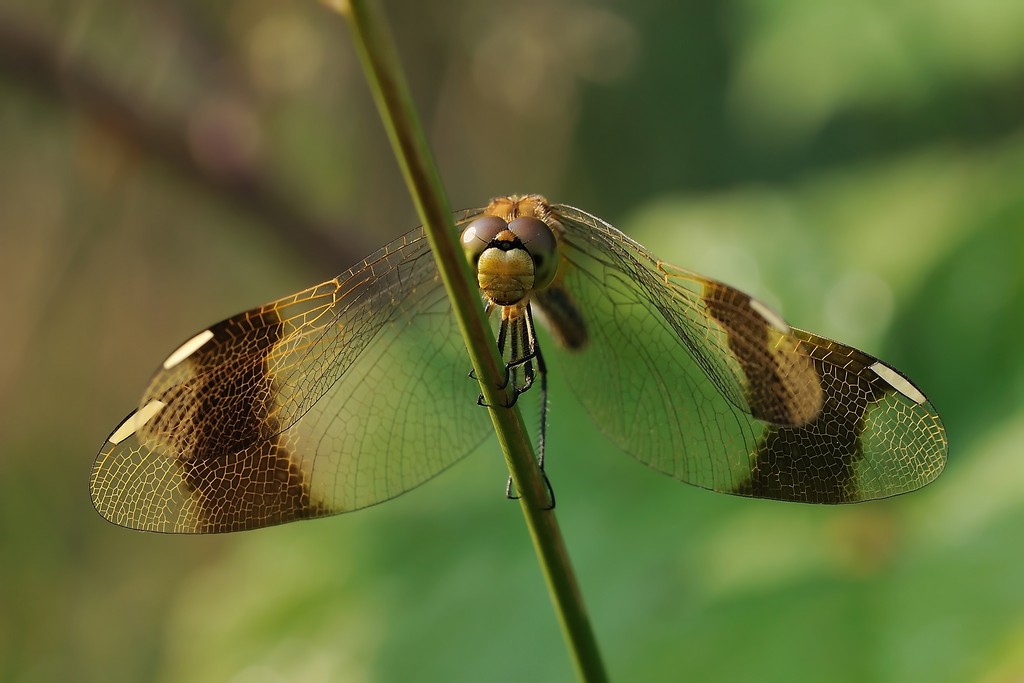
x: 770, y: 316
x: 897, y: 382
x: 187, y: 349
x: 136, y: 421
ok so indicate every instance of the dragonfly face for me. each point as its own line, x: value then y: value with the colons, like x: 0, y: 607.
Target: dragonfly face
x: 513, y: 256
x: 344, y: 395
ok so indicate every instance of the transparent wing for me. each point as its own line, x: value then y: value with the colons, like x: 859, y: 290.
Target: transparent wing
x: 702, y: 382
x: 338, y: 397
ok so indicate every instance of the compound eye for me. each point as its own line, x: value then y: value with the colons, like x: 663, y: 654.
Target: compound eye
x: 479, y: 234
x: 540, y: 242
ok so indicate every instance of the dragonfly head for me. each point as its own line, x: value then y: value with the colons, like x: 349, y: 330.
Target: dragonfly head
x: 512, y: 255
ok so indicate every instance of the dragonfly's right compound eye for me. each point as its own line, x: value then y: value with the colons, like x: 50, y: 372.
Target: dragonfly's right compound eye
x: 542, y: 246
x: 479, y: 234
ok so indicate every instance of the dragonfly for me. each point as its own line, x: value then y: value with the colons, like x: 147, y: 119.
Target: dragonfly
x: 354, y: 391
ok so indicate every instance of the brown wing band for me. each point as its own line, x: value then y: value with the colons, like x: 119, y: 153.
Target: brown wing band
x: 816, y: 463
x: 234, y: 462
x: 782, y: 386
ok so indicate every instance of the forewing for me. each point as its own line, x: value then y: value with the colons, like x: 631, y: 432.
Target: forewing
x: 336, y: 398
x: 702, y: 382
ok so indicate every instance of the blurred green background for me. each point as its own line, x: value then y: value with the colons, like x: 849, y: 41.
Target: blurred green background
x: 859, y: 165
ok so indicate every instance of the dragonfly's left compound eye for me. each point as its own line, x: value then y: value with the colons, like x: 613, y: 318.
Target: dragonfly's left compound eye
x: 540, y: 241
x: 479, y: 234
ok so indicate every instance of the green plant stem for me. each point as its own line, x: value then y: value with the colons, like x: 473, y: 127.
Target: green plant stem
x: 383, y: 71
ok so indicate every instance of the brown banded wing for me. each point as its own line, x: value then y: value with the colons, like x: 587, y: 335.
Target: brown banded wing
x: 702, y: 382
x: 336, y: 398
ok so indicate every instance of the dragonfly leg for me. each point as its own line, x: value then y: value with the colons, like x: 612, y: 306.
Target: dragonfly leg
x: 523, y: 366
x: 528, y: 341
x: 510, y: 490
x: 551, y: 492
x: 502, y: 340
x: 543, y: 372
x: 514, y: 332
x: 511, y: 494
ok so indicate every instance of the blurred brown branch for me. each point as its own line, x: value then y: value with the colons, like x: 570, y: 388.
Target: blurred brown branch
x: 29, y: 56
